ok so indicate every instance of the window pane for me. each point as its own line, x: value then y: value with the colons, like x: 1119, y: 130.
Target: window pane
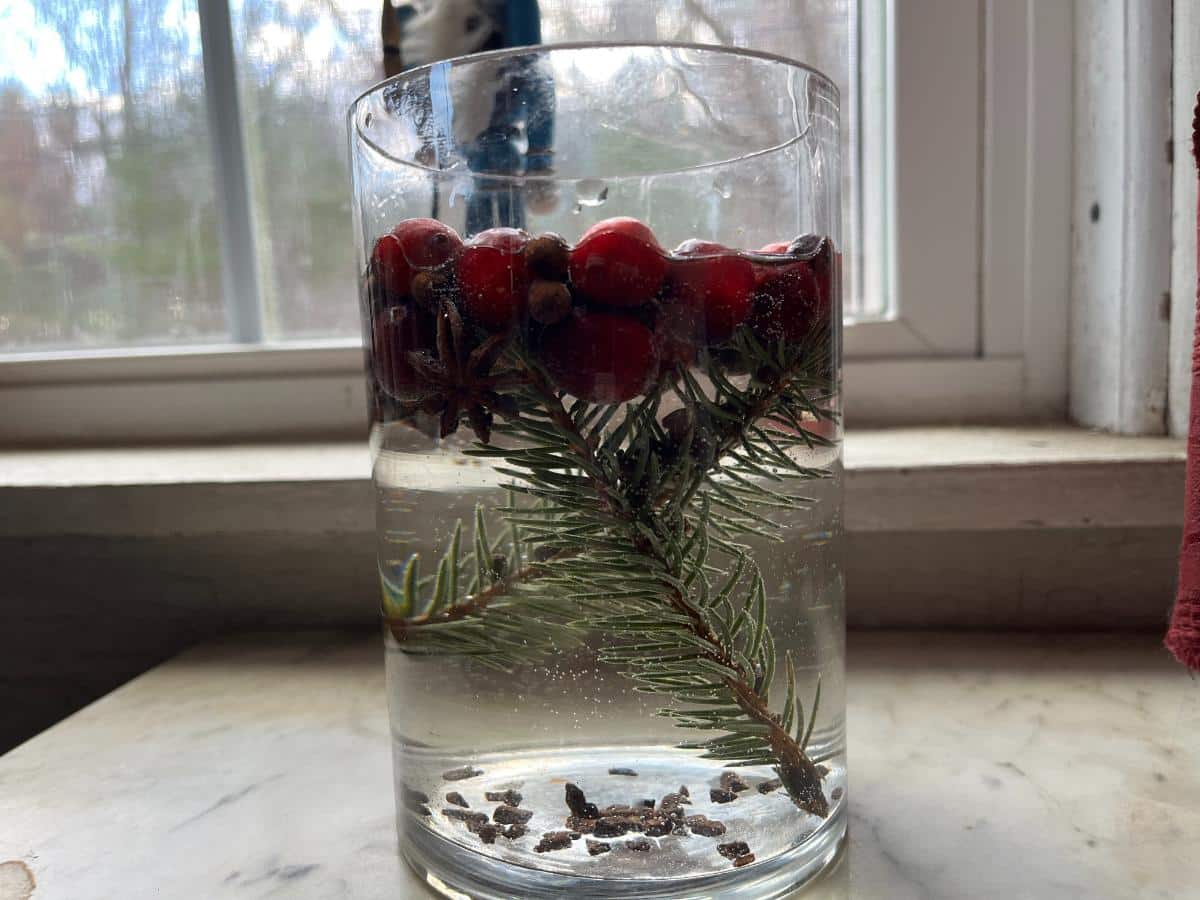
x: 107, y: 223
x: 821, y: 33
x: 300, y: 64
x: 302, y: 61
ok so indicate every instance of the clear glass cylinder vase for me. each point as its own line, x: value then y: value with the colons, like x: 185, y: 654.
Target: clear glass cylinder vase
x: 601, y: 306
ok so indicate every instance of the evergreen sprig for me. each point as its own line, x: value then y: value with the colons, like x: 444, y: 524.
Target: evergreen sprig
x: 639, y: 524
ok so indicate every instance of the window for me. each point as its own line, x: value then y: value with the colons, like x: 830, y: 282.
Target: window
x: 176, y: 243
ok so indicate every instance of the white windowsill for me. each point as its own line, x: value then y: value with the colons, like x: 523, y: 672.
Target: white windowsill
x: 897, y: 479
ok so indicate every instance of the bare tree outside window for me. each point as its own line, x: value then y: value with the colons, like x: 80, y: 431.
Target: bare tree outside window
x: 108, y: 222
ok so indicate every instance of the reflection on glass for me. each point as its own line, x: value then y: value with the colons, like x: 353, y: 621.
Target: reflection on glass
x: 107, y: 224
x: 107, y: 228
x: 301, y: 62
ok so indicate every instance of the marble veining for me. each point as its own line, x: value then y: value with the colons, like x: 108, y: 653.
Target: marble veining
x: 988, y: 767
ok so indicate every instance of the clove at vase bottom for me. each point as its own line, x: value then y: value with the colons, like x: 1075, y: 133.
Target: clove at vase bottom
x: 483, y: 757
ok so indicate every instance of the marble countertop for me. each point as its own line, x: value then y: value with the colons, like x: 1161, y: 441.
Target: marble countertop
x: 982, y: 766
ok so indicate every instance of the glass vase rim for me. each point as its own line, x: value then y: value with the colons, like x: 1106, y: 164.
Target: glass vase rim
x: 356, y: 132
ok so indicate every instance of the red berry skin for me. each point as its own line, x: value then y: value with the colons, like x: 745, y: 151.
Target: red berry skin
x: 618, y: 262
x: 391, y: 269
x: 676, y: 335
x: 412, y: 245
x: 399, y: 330
x: 716, y: 283
x: 493, y: 278
x: 600, y: 357
x: 775, y: 247
x: 787, y: 303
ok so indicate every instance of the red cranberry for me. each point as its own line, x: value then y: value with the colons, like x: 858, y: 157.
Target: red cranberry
x: 399, y: 330
x: 412, y: 245
x: 787, y: 303
x: 493, y: 277
x: 676, y: 334
x: 826, y: 265
x: 618, y: 262
x: 600, y: 357
x: 714, y: 282
x: 775, y: 247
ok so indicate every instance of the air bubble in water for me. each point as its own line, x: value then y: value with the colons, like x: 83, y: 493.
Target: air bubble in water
x: 591, y: 192
x: 723, y: 186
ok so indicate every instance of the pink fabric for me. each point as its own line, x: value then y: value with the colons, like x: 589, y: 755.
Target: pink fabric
x: 1183, y: 637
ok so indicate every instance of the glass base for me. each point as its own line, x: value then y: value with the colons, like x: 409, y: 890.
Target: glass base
x: 790, y: 847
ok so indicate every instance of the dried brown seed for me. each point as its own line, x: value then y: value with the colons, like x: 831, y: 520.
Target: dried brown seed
x: 595, y: 848
x: 488, y: 833
x: 553, y: 840
x: 512, y: 832
x: 640, y: 845
x: 457, y: 799
x: 705, y: 827
x: 732, y: 781
x: 657, y: 826
x: 673, y: 801
x: 473, y: 820
x: 733, y: 849
x: 720, y: 795
x: 611, y: 826
x: 462, y: 773
x: 623, y: 771
x: 577, y: 803
x: 511, y: 797
x: 511, y: 815
x: 773, y: 784
x: 580, y: 824
x: 743, y: 860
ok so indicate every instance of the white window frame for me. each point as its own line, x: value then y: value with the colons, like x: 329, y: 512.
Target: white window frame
x: 977, y: 202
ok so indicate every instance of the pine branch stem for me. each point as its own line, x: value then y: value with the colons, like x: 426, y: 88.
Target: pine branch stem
x: 798, y: 772
x: 476, y: 603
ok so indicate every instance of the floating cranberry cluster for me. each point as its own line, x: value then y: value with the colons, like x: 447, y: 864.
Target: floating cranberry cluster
x: 606, y: 317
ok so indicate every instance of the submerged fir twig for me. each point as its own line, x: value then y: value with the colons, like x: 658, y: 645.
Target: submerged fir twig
x: 626, y: 518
